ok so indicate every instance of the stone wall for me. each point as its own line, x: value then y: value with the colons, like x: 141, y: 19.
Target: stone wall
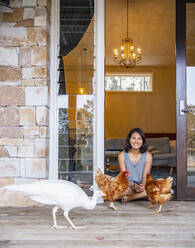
x: 24, y: 98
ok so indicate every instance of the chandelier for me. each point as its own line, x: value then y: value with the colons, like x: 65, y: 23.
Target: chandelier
x: 128, y: 56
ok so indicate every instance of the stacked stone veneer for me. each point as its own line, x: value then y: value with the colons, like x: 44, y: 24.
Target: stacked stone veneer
x: 24, y: 105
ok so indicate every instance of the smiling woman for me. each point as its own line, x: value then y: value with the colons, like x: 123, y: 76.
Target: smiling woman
x: 137, y: 161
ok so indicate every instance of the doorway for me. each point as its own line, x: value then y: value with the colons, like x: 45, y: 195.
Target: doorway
x: 152, y: 105
x: 184, y: 128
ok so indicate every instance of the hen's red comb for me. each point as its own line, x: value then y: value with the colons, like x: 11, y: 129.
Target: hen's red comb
x: 126, y: 171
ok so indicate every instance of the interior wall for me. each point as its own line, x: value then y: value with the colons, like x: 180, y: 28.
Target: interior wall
x: 154, y: 112
x: 151, y: 25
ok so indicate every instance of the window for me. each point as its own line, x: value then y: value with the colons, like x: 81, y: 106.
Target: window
x: 133, y: 82
x: 76, y: 96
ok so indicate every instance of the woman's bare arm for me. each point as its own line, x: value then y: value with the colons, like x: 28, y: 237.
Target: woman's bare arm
x: 147, y: 167
x: 121, y: 161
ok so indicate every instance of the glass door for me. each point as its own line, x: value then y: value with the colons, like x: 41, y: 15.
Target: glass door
x: 76, y: 95
x: 190, y: 84
x: 185, y: 33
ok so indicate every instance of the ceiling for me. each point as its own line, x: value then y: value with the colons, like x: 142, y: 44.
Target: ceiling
x: 151, y: 26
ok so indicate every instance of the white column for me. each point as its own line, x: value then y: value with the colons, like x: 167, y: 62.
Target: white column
x: 53, y: 153
x: 99, y: 99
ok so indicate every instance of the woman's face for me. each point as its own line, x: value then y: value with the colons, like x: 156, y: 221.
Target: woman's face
x: 136, y: 140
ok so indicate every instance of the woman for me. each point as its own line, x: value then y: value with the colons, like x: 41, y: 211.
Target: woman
x: 138, y: 161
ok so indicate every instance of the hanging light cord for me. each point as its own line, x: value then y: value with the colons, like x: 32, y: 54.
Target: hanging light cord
x: 127, y: 20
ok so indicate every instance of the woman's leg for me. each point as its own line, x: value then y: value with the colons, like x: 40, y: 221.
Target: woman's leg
x: 135, y: 196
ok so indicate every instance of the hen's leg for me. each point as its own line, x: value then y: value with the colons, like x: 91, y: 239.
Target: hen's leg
x: 151, y: 205
x: 54, y: 211
x: 111, y: 205
x: 159, y: 210
x: 71, y: 223
x: 124, y: 199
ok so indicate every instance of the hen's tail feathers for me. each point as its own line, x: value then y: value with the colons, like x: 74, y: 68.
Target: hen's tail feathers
x: 170, y: 179
x: 98, y: 172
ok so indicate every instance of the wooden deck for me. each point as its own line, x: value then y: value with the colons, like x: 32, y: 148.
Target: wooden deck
x: 132, y: 226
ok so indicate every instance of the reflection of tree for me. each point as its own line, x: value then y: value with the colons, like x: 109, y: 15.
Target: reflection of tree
x: 112, y: 83
x: 130, y: 83
x: 146, y: 83
x: 85, y: 135
x: 86, y: 112
x: 85, y: 119
x: 66, y: 150
x: 76, y: 145
x: 191, y: 127
x: 63, y: 121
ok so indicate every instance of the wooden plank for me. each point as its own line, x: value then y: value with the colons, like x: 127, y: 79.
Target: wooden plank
x: 133, y: 226
x: 98, y: 243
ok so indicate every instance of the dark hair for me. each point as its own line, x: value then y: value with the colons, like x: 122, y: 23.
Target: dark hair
x: 138, y: 130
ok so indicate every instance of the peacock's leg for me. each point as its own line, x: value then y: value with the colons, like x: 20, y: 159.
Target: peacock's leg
x: 71, y: 223
x: 54, y: 211
x: 159, y: 210
x: 111, y: 205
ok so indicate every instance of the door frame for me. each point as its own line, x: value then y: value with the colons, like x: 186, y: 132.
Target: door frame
x: 53, y: 117
x: 184, y: 192
x: 98, y: 148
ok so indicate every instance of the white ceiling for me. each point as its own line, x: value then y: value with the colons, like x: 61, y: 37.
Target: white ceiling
x: 151, y: 26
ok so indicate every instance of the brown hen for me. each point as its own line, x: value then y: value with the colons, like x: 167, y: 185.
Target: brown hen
x: 114, y: 187
x: 158, y: 191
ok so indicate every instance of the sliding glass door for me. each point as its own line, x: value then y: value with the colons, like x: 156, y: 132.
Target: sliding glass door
x: 185, y: 43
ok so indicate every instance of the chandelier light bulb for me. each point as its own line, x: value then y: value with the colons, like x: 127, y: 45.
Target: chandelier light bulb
x: 115, y: 52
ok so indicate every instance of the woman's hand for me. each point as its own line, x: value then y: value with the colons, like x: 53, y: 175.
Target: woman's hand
x: 138, y: 188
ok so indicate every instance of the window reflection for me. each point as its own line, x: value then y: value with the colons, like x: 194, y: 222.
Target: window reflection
x: 190, y: 79
x: 75, y: 138
x: 191, y: 125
